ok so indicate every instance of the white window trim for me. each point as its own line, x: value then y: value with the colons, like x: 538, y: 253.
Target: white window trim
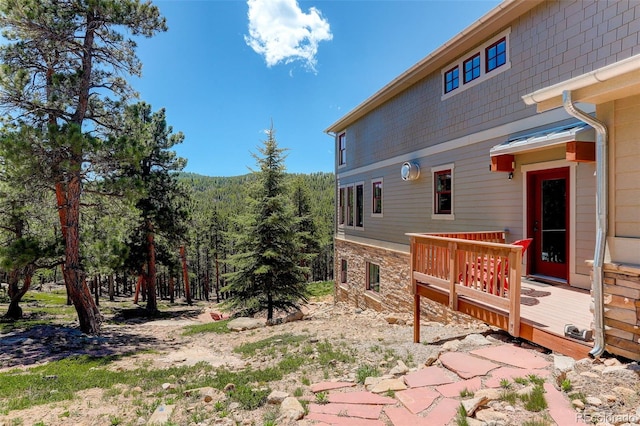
x: 346, y: 194
x: 484, y: 75
x: 440, y: 216
x: 340, y: 166
x: 381, y: 180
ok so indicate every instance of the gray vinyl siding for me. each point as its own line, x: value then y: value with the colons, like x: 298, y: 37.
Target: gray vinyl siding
x: 553, y: 42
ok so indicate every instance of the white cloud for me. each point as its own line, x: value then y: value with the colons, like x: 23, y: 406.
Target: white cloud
x: 281, y: 32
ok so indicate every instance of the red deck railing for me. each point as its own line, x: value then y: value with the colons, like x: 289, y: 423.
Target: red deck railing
x: 474, y: 265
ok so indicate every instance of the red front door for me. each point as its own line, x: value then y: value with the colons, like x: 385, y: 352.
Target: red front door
x: 548, y: 222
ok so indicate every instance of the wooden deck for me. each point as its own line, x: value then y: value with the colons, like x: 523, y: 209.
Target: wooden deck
x: 538, y: 312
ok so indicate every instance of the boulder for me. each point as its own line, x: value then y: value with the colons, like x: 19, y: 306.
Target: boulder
x: 245, y: 323
x: 291, y: 409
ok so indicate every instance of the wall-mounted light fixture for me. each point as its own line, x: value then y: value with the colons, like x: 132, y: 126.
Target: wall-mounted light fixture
x: 510, y: 175
x: 410, y: 171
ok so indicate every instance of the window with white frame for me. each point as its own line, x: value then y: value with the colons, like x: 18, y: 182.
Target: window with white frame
x: 342, y: 198
x: 373, y: 277
x: 485, y: 61
x: 376, y: 197
x: 342, y: 149
x: 442, y: 192
x: 351, y: 206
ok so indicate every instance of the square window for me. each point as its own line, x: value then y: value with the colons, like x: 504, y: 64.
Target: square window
x: 442, y: 191
x: 373, y: 277
x: 342, y: 149
x: 343, y: 271
x: 496, y: 54
x: 472, y: 68
x: 451, y: 79
x: 376, y: 197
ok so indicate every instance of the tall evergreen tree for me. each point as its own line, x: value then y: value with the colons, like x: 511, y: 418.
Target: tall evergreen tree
x: 268, y: 263
x: 62, y: 72
x: 149, y: 165
x: 306, y: 227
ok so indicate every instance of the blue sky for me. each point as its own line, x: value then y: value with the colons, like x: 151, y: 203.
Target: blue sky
x: 226, y: 69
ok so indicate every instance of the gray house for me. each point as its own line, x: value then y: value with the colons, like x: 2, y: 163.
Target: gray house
x: 526, y: 123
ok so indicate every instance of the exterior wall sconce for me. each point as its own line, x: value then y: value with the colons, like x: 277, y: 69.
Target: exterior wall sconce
x: 410, y: 171
x: 510, y: 175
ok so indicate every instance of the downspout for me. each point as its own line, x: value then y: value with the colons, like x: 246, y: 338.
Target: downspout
x: 601, y: 224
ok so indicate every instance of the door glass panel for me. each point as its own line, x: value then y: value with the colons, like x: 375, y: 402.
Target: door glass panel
x: 554, y: 227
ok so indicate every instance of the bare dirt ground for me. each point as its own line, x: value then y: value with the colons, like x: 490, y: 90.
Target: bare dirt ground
x: 368, y: 335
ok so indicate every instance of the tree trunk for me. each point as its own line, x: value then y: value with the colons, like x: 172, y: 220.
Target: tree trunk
x: 152, y: 304
x: 111, y: 290
x: 171, y: 289
x: 185, y: 275
x: 74, y: 277
x: 138, y: 288
x: 16, y: 293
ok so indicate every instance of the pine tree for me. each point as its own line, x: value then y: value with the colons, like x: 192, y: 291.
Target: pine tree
x: 268, y: 262
x: 62, y: 73
x: 306, y: 227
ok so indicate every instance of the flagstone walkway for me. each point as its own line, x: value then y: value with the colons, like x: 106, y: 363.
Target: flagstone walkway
x: 432, y: 394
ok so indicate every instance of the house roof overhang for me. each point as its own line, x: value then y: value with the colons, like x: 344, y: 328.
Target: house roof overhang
x: 614, y: 81
x: 492, y: 22
x: 573, y: 132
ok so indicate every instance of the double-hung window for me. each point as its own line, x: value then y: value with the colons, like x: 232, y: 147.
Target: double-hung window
x: 443, y: 192
x: 351, y: 206
x: 342, y: 149
x: 376, y: 197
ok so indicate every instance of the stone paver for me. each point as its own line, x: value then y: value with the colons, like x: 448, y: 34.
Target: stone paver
x: 559, y: 407
x: 430, y: 376
x: 417, y: 399
x: 349, y: 410
x: 400, y: 416
x: 360, y: 397
x: 335, y: 420
x: 465, y: 365
x: 510, y: 373
x: 512, y: 355
x: 325, y: 386
x: 453, y: 390
x: 443, y: 412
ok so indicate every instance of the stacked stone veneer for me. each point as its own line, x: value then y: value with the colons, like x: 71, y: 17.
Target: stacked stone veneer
x: 622, y: 310
x: 395, y: 282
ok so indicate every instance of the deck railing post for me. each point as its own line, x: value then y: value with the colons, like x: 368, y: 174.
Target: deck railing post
x: 453, y: 275
x: 515, y: 260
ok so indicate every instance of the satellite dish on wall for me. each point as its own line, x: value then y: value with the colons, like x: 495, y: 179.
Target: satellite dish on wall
x: 410, y: 171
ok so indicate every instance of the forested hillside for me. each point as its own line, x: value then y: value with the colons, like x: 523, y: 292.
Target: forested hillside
x: 218, y: 201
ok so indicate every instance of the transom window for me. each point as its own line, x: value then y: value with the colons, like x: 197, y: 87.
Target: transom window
x: 477, y: 65
x: 373, y: 277
x: 496, y: 54
x: 376, y: 197
x: 342, y: 149
x: 472, y: 68
x: 451, y: 79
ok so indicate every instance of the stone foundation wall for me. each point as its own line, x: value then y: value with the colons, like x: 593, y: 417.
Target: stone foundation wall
x: 395, y: 282
x: 622, y: 310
